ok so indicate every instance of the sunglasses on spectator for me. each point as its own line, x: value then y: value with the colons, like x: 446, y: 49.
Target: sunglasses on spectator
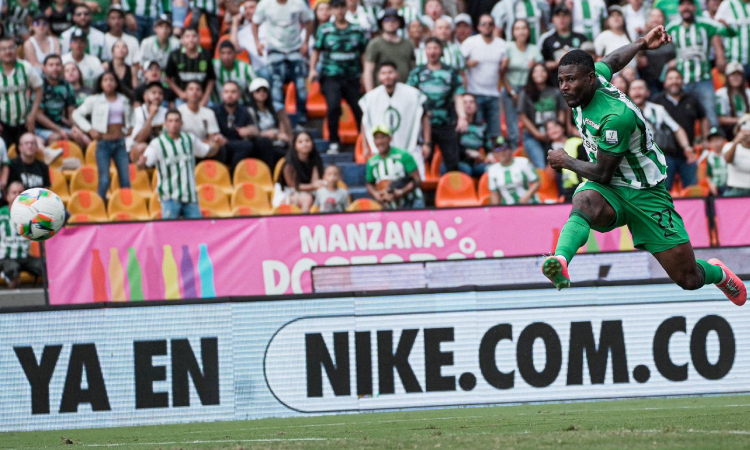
x: 8, y: 49
x: 486, y: 24
x: 40, y: 22
x: 390, y: 19
x: 85, y: 14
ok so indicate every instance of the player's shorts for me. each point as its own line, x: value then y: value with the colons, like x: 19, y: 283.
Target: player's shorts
x: 649, y: 214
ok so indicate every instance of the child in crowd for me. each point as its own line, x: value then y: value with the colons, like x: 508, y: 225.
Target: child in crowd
x: 716, y: 172
x: 332, y: 197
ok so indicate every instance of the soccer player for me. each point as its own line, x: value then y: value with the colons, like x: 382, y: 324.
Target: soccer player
x: 625, y: 176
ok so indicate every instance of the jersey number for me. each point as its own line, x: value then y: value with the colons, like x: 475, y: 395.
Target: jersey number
x: 659, y: 217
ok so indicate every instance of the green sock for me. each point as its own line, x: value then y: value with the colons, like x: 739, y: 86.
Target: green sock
x: 574, y: 235
x: 712, y: 274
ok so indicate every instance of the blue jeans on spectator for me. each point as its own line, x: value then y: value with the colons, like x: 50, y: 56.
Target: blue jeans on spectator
x: 688, y: 172
x: 475, y: 170
x: 105, y: 152
x: 488, y: 110
x: 288, y: 67
x: 145, y: 27
x: 172, y: 209
x: 736, y: 192
x: 511, y: 118
x: 704, y: 92
x: 179, y: 15
x: 535, y: 150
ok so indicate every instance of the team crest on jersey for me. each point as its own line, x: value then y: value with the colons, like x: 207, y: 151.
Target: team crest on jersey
x: 610, y: 137
x: 202, y: 66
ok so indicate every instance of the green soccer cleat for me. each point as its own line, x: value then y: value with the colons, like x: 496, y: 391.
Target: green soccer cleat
x: 556, y: 269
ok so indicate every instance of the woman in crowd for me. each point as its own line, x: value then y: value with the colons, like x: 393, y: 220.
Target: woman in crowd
x: 72, y: 75
x: 302, y: 174
x: 651, y: 64
x: 111, y: 114
x: 274, y: 126
x: 60, y: 14
x: 615, y: 36
x: 538, y: 103
x: 521, y: 57
x: 126, y: 75
x: 41, y: 44
x: 732, y: 100
x: 737, y: 155
x: 472, y: 143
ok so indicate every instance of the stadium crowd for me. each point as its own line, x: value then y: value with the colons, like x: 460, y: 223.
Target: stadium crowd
x: 138, y: 109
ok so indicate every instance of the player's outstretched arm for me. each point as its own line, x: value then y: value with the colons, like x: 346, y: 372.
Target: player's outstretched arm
x: 620, y: 58
x: 600, y: 171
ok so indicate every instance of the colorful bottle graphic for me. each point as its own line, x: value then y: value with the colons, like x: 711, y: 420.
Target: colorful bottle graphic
x: 206, y: 271
x: 169, y: 270
x: 188, y: 274
x: 98, y: 277
x: 134, y: 276
x: 153, y: 277
x: 116, y: 276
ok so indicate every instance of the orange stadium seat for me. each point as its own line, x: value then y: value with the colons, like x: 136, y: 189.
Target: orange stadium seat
x: 277, y: 170
x: 123, y: 216
x: 694, y: 191
x: 348, y: 129
x: 286, y: 210
x: 154, y: 206
x: 455, y: 189
x: 484, y: 187
x: 359, y: 150
x: 13, y: 154
x: 59, y: 185
x: 125, y: 200
x: 89, y: 203
x: 316, y: 102
x: 154, y: 180
x: 84, y: 178
x: 432, y: 171
x: 364, y: 204
x: 139, y: 182
x: 80, y: 218
x: 245, y: 211
x: 252, y: 195
x: 212, y: 198
x: 213, y: 172
x: 254, y: 171
x: 70, y: 150
x: 548, y: 191
x: 90, y: 157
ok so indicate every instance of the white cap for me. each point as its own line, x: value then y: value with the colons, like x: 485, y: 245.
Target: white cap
x: 257, y: 84
x: 463, y: 18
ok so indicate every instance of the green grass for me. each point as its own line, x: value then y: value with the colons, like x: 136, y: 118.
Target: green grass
x: 682, y: 423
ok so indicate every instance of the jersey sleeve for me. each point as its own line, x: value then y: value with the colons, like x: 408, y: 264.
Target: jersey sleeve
x: 530, y: 171
x: 152, y: 153
x: 491, y: 180
x: 410, y: 164
x: 615, y: 134
x: 200, y: 148
x: 604, y: 70
x: 370, y: 171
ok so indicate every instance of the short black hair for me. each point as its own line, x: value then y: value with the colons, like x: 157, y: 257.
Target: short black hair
x: 236, y: 84
x: 194, y: 82
x: 578, y: 58
x: 433, y: 40
x: 50, y: 57
x: 673, y: 69
x: 192, y: 29
x: 226, y: 44
x: 387, y: 63
x: 173, y: 111
x: 154, y: 84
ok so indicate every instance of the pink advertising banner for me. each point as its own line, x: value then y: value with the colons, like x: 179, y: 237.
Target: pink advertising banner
x: 273, y: 255
x: 733, y: 221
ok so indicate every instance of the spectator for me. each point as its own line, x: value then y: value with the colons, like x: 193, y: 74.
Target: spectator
x: 392, y: 175
x: 615, y: 36
x: 341, y: 45
x: 196, y: 119
x: 60, y: 14
x: 685, y: 109
x: 301, y: 175
x: 20, y: 81
x: 127, y: 75
x: 148, y: 120
x: 737, y: 155
x: 331, y: 197
x: 274, y: 126
x: 735, y: 13
x: 41, y: 44
x: 14, y: 248
x: 284, y: 21
x: 443, y: 87
x: 152, y: 73
x: 72, y: 74
x: 484, y: 54
x: 389, y: 46
x: 452, y: 56
x: 321, y: 14
x: 588, y: 17
x: 173, y: 154
x: 116, y: 26
x: 26, y: 168
x: 635, y: 14
x: 160, y: 45
x: 210, y: 10
x: 560, y: 40
x: 90, y: 66
x: 142, y: 18
x: 651, y: 64
x: 95, y: 43
x: 733, y: 100
x: 402, y: 108
x: 56, y: 109
x: 538, y: 103
x: 18, y: 17
x: 190, y: 63
x: 364, y: 17
x: 464, y: 28
x: 620, y: 83
x: 716, y: 165
x: 520, y: 57
x: 242, y: 37
x: 433, y: 11
x: 692, y: 57
x: 4, y: 166
x: 512, y: 180
x: 507, y: 12
x: 406, y: 11
x: 415, y: 31
x: 111, y: 116
x: 474, y: 142
x: 228, y: 68
x: 99, y: 9
x: 711, y: 8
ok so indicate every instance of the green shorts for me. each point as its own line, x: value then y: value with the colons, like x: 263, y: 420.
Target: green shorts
x: 649, y: 214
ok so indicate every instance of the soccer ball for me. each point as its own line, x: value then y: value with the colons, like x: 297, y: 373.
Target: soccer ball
x: 37, y: 214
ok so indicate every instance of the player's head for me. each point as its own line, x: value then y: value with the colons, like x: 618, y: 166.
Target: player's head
x: 388, y: 74
x: 576, y: 77
x: 638, y: 92
x: 14, y: 188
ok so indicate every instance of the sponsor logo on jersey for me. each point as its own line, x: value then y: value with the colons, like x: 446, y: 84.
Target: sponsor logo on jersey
x: 610, y: 137
x: 590, y: 123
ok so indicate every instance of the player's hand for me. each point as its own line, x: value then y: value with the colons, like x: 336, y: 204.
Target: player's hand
x: 557, y: 158
x: 655, y: 38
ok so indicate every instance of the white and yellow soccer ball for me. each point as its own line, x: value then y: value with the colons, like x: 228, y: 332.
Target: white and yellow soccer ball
x: 37, y: 214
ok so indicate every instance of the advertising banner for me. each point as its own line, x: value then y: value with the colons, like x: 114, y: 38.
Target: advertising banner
x: 733, y: 221
x: 273, y: 255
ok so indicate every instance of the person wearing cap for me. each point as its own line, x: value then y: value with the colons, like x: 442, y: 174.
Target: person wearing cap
x: 89, y: 65
x: 732, y: 100
x: 116, y: 28
x: 189, y: 63
x: 16, y: 19
x: 19, y: 82
x: 389, y: 46
x: 693, y: 55
x: 340, y: 47
x: 152, y: 73
x: 95, y: 42
x: 392, y: 175
x: 513, y: 179
x: 41, y: 44
x: 463, y: 28
x: 161, y: 44
x: 60, y: 15
x: 716, y: 165
x: 735, y: 13
x: 148, y: 121
x: 366, y: 17
x: 506, y: 12
x: 241, y: 34
x: 408, y: 12
x: 274, y: 126
x: 228, y: 68
x: 589, y: 17
x: 142, y: 16
x: 737, y: 155
x: 210, y: 10
x: 452, y: 55
x: 615, y: 36
x: 560, y: 39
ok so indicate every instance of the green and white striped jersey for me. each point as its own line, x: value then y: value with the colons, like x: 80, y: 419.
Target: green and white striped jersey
x: 738, y: 102
x: 512, y: 182
x: 15, y: 92
x: 693, y: 43
x: 12, y: 244
x: 716, y: 169
x: 452, y: 56
x: 588, y: 17
x: 612, y: 124
x: 143, y: 8
x: 242, y: 73
x: 396, y: 166
x: 175, y: 163
x: 736, y: 13
x: 505, y: 13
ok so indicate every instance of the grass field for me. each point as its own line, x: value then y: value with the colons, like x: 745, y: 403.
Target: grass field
x: 679, y: 423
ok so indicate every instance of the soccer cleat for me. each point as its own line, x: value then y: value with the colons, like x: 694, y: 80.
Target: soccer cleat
x: 732, y: 287
x: 556, y: 269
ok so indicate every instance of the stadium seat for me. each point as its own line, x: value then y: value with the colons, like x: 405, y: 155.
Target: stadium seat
x: 254, y: 171
x: 13, y: 154
x: 123, y: 216
x: 548, y: 191
x: 364, y: 204
x: 125, y: 200
x: 694, y: 191
x: 213, y: 172
x: 455, y: 189
x: 252, y: 195
x: 316, y: 102
x: 348, y: 130
x: 286, y: 210
x: 154, y: 206
x: 139, y: 182
x: 84, y: 178
x: 154, y: 180
x: 242, y: 55
x: 80, y: 218
x: 70, y: 150
x: 484, y: 186
x: 90, y: 157
x: 432, y: 171
x: 212, y: 198
x: 277, y: 170
x: 359, y: 150
x: 89, y: 203
x: 245, y: 211
x: 59, y: 185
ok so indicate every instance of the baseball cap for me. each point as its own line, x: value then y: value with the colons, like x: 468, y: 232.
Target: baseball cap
x: 116, y: 8
x: 561, y: 9
x: 258, y: 83
x: 337, y: 3
x: 463, y: 18
x: 391, y: 13
x: 733, y: 67
x: 714, y: 131
x: 500, y: 144
x: 588, y: 46
x: 78, y: 34
x: 381, y: 129
x: 617, y: 8
x: 163, y: 18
